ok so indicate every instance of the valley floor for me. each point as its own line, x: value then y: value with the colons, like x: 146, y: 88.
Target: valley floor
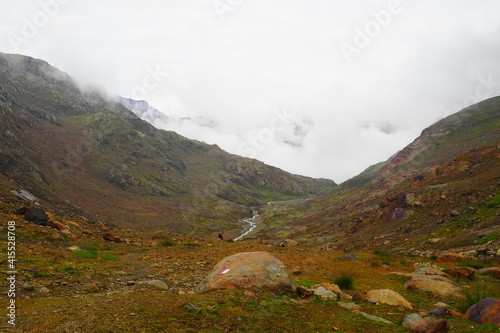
x: 110, y: 287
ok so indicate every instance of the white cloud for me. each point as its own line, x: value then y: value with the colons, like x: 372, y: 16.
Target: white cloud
x: 229, y: 75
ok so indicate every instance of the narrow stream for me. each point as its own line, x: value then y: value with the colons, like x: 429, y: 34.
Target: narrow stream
x: 252, y: 222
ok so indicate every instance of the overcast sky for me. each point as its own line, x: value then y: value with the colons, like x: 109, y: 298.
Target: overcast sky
x: 322, y: 88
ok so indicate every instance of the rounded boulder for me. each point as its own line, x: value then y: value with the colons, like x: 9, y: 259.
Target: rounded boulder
x: 247, y: 270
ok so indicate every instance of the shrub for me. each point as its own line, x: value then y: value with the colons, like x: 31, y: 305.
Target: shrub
x: 375, y: 264
x: 189, y: 244
x: 379, y: 253
x: 167, y: 243
x: 345, y: 281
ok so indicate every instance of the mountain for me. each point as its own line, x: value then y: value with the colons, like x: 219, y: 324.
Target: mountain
x: 441, y: 191
x: 143, y: 110
x: 81, y: 152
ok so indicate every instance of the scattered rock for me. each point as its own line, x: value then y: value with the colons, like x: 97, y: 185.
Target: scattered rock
x: 466, y: 273
x: 27, y: 287
x: 429, y: 271
x: 156, y: 283
x: 347, y: 257
x: 454, y: 213
x: 430, y: 325
x: 441, y: 304
x: 109, y: 237
x: 44, y: 290
x: 486, y: 311
x: 329, y: 286
x: 249, y: 293
x: 451, y: 257
x: 193, y: 309
x: 37, y: 216
x: 491, y: 271
x: 387, y: 296
x: 325, y: 293
x: 57, y: 225
x: 21, y: 211
x: 375, y: 318
x: 354, y: 308
x: 437, y: 285
x: 290, y: 242
x: 304, y: 291
x: 345, y: 296
x: 411, y: 319
x: 247, y: 270
x: 440, y: 311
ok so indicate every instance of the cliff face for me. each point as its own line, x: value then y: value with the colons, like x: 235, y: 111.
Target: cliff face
x: 79, y: 149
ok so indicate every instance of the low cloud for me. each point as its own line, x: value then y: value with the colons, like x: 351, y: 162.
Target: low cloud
x: 223, y: 78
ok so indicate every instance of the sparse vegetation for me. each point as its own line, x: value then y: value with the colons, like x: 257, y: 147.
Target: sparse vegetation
x: 345, y: 281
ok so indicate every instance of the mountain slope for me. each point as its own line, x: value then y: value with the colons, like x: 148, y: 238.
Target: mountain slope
x: 437, y: 185
x: 81, y: 151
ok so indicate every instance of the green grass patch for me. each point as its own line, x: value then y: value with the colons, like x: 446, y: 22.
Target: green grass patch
x: 306, y: 283
x: 167, y: 243
x: 86, y: 254
x: 487, y: 238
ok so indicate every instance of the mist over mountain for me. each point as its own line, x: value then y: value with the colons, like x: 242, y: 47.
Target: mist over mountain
x: 80, y: 149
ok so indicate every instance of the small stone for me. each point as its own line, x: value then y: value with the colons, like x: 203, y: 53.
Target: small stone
x: 27, y: 286
x: 95, y: 286
x: 181, y: 292
x: 131, y: 283
x: 375, y: 318
x: 450, y: 257
x: 466, y: 273
x: 454, y: 213
x: 430, y: 325
x: 249, y: 293
x: 44, y: 290
x: 345, y: 296
x: 354, y: 308
x: 347, y: 257
x: 193, y: 309
x: 440, y: 311
x: 441, y: 304
x: 156, y: 283
x: 325, y: 293
x: 411, y: 319
x: 373, y: 301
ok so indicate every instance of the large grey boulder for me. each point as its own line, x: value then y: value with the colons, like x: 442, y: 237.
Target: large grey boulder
x: 247, y: 270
